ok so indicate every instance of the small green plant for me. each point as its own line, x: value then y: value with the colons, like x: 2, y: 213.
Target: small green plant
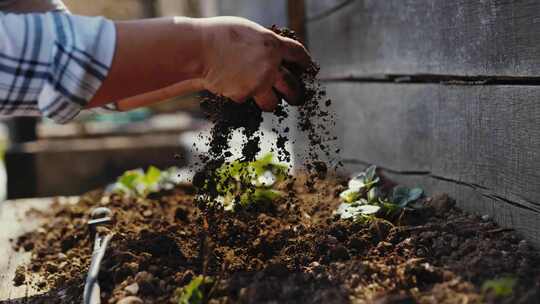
x: 403, y: 196
x: 241, y: 183
x: 193, y: 293
x: 364, y: 201
x: 501, y: 287
x: 140, y: 183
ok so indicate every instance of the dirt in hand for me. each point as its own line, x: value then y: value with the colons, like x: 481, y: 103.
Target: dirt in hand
x: 285, y: 253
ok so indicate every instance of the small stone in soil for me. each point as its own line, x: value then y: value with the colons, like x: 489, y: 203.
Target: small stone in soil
x: 20, y: 276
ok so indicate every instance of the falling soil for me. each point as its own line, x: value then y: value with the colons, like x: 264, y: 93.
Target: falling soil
x: 277, y: 253
x: 314, y: 120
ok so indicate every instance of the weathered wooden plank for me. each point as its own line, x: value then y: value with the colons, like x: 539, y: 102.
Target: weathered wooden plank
x: 14, y: 223
x: 99, y: 161
x: 486, y: 138
x: 367, y: 37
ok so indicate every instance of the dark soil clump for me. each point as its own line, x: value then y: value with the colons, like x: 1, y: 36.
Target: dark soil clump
x: 283, y: 253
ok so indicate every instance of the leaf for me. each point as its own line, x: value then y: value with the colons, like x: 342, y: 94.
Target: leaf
x: 346, y: 211
x: 361, y: 201
x: 357, y: 183
x: 267, y: 179
x: 364, y: 180
x: 356, y: 209
x: 370, y: 173
x: 373, y: 194
x: 501, y: 287
x: 260, y: 165
x: 402, y: 195
x: 349, y: 195
x: 389, y: 208
x: 266, y: 195
x: 280, y: 171
x: 152, y: 176
x: 130, y: 178
x: 399, y: 194
x: 192, y: 293
x: 415, y: 193
x: 368, y: 209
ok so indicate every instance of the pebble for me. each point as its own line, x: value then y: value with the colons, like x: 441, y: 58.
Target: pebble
x: 132, y: 288
x: 523, y: 247
x: 105, y: 200
x: 340, y: 252
x: 130, y: 300
x: 442, y: 203
x: 144, y: 277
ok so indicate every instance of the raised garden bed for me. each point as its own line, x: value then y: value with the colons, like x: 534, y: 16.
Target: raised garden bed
x: 285, y: 252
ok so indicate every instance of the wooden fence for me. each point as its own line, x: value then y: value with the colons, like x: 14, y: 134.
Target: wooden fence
x: 441, y: 94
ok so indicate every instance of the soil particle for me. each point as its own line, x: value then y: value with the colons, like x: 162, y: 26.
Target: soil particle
x: 130, y: 300
x: 20, y: 276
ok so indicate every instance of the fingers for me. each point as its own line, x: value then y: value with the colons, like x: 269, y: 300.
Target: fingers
x: 290, y: 87
x: 294, y: 51
x: 267, y: 100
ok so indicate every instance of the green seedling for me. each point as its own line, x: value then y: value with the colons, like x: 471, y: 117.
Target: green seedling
x: 364, y: 180
x: 363, y: 200
x: 501, y: 287
x: 193, y: 292
x: 240, y: 184
x: 140, y: 183
x: 403, y: 196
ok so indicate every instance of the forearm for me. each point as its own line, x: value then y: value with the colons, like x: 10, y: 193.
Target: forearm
x: 151, y: 55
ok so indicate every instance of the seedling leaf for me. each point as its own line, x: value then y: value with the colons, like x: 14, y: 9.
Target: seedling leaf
x: 370, y: 173
x: 129, y: 178
x: 373, y: 194
x: 152, y: 175
x: 244, y: 183
x: 192, y: 293
x: 349, y: 196
x: 402, y: 195
x: 415, y: 193
x: 369, y: 209
x: 501, y: 287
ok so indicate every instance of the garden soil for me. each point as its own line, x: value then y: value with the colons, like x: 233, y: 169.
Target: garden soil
x: 286, y: 252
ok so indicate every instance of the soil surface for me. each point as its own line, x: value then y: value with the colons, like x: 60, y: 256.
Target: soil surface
x: 286, y: 252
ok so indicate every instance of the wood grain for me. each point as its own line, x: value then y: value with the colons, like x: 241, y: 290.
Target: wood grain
x: 13, y: 223
x: 482, y: 138
x: 373, y: 37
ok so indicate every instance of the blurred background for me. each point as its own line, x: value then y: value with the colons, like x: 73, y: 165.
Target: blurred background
x: 45, y: 159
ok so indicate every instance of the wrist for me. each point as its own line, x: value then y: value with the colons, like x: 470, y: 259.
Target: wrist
x: 195, y: 27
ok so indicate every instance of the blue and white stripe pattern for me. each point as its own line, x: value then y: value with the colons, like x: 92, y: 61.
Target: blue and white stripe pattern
x: 52, y: 64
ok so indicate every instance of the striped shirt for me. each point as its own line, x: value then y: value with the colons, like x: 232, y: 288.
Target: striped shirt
x: 52, y: 64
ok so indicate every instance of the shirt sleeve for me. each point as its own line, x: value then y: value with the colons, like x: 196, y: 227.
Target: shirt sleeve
x: 52, y: 64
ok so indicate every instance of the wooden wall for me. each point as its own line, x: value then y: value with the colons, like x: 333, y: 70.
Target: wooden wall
x: 442, y: 94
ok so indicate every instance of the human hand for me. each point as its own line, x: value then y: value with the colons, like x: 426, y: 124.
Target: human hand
x: 242, y: 59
